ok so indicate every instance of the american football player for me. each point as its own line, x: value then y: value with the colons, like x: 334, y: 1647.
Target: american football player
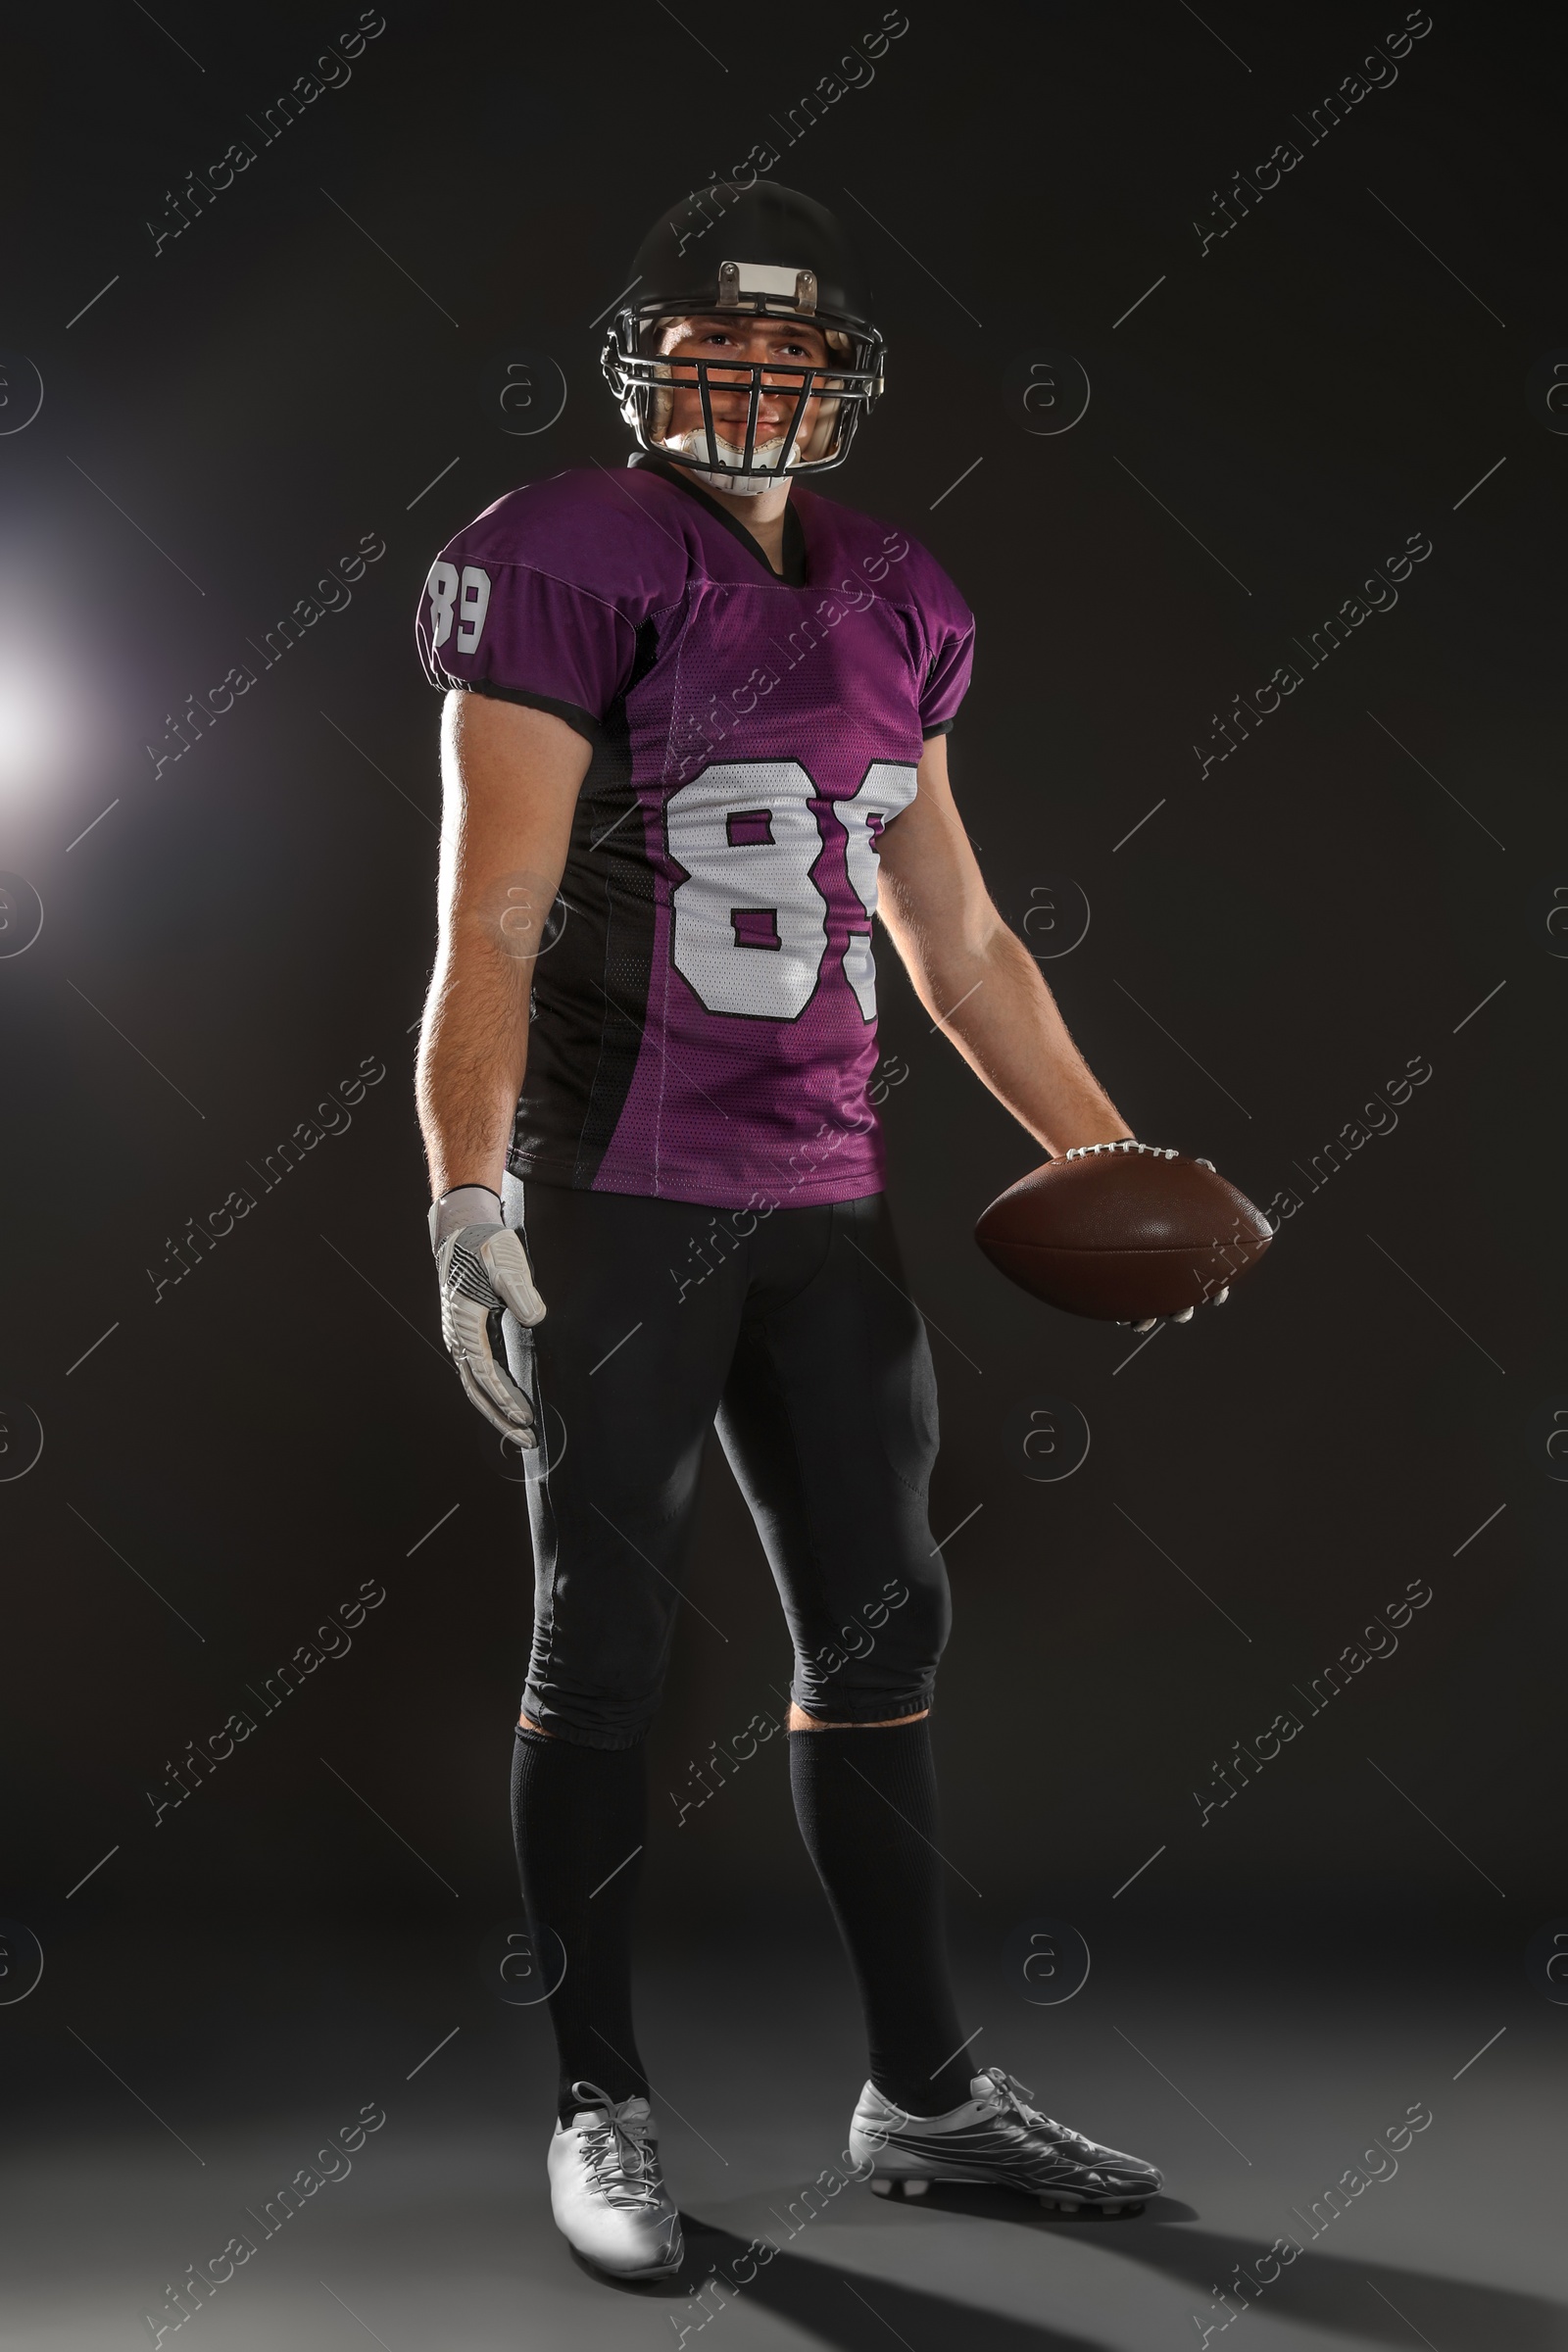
x: 695, y: 742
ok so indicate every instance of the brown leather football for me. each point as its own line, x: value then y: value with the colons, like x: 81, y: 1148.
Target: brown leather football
x: 1122, y: 1233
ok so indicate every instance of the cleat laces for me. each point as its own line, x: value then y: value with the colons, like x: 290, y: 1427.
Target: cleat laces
x: 624, y: 2169
x: 1013, y: 2102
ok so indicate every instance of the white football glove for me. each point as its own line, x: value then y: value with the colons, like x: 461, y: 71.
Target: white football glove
x: 482, y: 1267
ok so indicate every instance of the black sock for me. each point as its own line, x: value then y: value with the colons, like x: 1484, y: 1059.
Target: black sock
x: 866, y: 1802
x: 577, y: 1814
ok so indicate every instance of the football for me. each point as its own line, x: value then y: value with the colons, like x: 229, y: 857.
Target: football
x: 1123, y: 1231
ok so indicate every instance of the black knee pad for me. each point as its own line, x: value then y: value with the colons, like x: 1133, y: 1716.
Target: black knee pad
x: 883, y: 1660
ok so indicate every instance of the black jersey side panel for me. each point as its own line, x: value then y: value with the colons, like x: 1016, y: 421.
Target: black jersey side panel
x: 590, y: 989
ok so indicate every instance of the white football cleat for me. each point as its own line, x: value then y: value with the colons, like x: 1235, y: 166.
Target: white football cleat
x: 607, y: 2190
x: 996, y: 2138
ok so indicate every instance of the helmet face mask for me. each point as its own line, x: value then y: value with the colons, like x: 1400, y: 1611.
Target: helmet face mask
x: 756, y: 417
x: 737, y: 417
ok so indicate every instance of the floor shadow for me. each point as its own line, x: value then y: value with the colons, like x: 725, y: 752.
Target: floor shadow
x: 1326, y: 2288
x: 855, y: 2315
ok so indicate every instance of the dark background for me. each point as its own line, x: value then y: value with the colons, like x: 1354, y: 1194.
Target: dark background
x: 1276, y: 942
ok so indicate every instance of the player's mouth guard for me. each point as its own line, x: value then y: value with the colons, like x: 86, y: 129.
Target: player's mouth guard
x: 776, y: 453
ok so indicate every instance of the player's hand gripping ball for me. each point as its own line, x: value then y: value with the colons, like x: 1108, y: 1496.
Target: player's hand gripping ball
x: 1124, y: 1232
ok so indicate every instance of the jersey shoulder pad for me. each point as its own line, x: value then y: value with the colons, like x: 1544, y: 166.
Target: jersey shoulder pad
x: 587, y: 530
x: 892, y: 563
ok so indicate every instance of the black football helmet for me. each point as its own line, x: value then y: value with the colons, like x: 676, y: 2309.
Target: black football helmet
x: 761, y: 251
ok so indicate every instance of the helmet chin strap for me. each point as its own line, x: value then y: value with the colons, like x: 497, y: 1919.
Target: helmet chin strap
x: 738, y: 485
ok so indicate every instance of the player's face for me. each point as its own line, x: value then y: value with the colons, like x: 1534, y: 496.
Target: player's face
x: 747, y: 343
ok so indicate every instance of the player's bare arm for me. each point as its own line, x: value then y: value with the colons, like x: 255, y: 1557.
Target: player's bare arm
x: 511, y: 776
x: 977, y: 978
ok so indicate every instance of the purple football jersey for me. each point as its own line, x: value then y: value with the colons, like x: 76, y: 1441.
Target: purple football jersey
x: 704, y: 1023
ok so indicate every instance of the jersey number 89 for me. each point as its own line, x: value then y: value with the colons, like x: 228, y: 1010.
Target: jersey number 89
x: 750, y: 924
x: 470, y: 591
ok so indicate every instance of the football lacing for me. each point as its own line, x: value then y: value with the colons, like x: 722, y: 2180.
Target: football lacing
x: 1127, y: 1144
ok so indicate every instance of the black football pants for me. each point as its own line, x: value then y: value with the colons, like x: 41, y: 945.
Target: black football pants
x: 792, y: 1328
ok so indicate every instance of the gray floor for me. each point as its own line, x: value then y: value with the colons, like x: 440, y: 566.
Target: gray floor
x: 1254, y: 2097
